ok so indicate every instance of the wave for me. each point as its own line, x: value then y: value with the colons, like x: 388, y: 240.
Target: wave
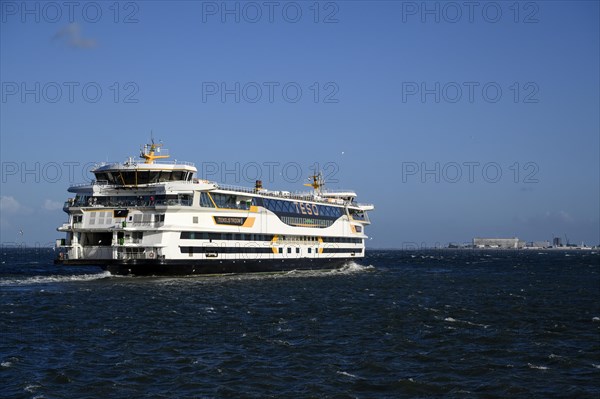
x: 54, y: 279
x: 346, y: 374
x: 350, y: 267
x: 453, y: 320
x: 533, y: 366
x: 353, y: 267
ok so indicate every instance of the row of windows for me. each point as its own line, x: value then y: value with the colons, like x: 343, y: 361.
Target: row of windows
x: 121, y: 201
x: 306, y: 222
x: 300, y: 239
x: 136, y: 177
x: 101, y: 218
x: 309, y: 214
x: 146, y: 218
x: 258, y: 250
x: 225, y: 250
x: 229, y: 201
x: 341, y: 250
x: 348, y: 240
x: 302, y: 208
x: 325, y: 250
x: 203, y: 235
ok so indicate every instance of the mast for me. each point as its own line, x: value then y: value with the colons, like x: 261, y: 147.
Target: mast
x: 149, y: 152
x: 317, y: 182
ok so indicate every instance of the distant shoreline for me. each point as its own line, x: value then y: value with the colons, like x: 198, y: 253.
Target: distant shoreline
x: 527, y: 249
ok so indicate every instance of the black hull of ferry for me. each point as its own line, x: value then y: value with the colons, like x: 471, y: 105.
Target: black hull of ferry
x: 160, y: 267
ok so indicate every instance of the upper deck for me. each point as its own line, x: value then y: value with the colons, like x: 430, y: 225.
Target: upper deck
x: 132, y: 173
x: 152, y: 178
x: 136, y: 174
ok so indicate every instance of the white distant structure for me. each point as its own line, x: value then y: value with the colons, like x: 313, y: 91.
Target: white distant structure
x: 540, y: 244
x: 499, y: 243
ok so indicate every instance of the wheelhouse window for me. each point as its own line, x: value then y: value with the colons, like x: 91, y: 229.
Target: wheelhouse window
x: 141, y: 176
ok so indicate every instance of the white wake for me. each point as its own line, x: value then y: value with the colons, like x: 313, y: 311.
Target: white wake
x: 53, y: 279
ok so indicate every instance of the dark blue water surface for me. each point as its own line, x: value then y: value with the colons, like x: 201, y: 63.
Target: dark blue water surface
x: 437, y: 323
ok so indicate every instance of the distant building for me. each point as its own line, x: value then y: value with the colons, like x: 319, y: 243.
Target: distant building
x: 541, y: 244
x: 557, y: 242
x: 500, y: 243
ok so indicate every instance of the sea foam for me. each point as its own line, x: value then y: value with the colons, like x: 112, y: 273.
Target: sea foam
x: 54, y: 279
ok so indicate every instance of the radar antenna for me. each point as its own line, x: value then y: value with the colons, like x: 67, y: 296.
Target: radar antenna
x: 149, y: 151
x: 316, y: 181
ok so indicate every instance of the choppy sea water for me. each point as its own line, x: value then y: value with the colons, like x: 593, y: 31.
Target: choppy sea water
x: 437, y: 323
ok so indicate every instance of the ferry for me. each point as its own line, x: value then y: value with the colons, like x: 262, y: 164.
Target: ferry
x: 155, y: 217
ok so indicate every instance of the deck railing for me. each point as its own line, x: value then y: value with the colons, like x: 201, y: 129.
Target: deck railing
x: 299, y: 195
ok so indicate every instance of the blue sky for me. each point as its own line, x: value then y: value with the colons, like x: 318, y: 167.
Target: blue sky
x: 455, y: 121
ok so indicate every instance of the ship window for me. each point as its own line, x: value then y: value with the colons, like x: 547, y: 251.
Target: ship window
x: 205, y: 201
x: 101, y: 177
x: 143, y: 177
x: 228, y: 201
x: 153, y: 177
x: 195, y: 219
x: 297, y: 250
x: 289, y: 250
x: 177, y: 175
x: 309, y: 250
x: 129, y: 178
x: 280, y: 250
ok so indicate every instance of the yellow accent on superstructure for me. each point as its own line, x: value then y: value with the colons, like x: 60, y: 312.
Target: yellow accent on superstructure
x: 149, y: 153
x: 212, y: 200
x: 253, y: 208
x: 317, y: 181
x: 320, y: 243
x: 249, y: 222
